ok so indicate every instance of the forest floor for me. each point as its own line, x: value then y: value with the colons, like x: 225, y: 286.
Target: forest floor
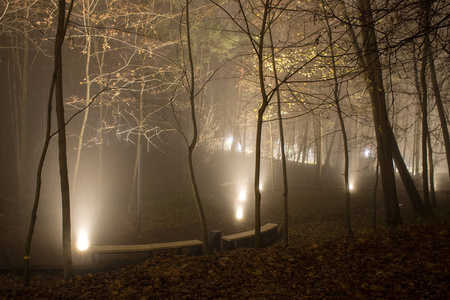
x: 409, y: 262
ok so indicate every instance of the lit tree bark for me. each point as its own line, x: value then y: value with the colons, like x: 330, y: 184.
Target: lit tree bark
x: 135, y: 187
x: 87, y: 25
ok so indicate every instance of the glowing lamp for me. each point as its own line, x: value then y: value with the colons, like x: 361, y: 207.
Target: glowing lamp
x: 228, y: 143
x: 239, y: 213
x: 242, y: 195
x: 83, y: 242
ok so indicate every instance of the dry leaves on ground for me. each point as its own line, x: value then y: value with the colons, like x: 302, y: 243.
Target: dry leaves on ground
x: 410, y: 262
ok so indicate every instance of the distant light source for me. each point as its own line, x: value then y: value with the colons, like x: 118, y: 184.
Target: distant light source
x: 239, y: 213
x: 260, y: 187
x: 366, y: 153
x: 350, y: 186
x: 83, y: 242
x: 228, y: 143
x: 242, y: 195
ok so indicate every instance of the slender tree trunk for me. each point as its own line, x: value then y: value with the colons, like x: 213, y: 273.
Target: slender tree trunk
x: 336, y: 92
x: 259, y: 49
x: 375, y: 189
x: 318, y: 137
x: 65, y: 194
x: 87, y: 25
x: 67, y: 254
x: 326, y: 165
x: 135, y: 185
x: 272, y: 169
x: 193, y: 143
x: 355, y: 166
x: 37, y: 195
x: 424, y: 107
x: 24, y: 121
x: 100, y: 63
x: 440, y: 108
x: 305, y: 143
x: 431, y: 164
x: 283, y: 154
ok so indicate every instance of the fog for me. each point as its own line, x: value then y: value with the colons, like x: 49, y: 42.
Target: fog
x: 132, y: 86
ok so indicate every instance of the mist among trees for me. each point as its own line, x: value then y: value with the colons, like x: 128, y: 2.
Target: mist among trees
x: 116, y: 103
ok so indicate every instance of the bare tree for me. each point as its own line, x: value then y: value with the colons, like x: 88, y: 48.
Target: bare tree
x: 56, y: 86
x: 283, y: 154
x: 65, y: 194
x: 337, y: 99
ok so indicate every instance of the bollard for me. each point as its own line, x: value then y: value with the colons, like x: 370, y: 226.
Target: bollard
x: 214, y: 240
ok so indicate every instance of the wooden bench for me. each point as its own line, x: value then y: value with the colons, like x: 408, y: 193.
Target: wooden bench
x: 193, y: 246
x: 247, y: 238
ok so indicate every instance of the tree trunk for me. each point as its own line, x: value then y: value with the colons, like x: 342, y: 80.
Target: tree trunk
x: 424, y: 107
x: 431, y: 164
x: 272, y: 169
x: 304, y: 146
x: 440, y: 108
x: 283, y: 155
x: 65, y: 194
x: 318, y: 137
x: 326, y: 164
x: 336, y: 92
x: 193, y: 143
x: 369, y: 62
x: 37, y: 195
x: 87, y: 25
x: 23, y: 183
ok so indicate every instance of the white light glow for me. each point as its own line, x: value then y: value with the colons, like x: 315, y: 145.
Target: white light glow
x: 350, y: 186
x: 239, y: 213
x: 366, y: 153
x: 83, y: 242
x: 242, y: 195
x: 228, y: 143
x: 260, y: 187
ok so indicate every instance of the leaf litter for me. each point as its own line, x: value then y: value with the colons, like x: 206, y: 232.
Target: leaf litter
x: 408, y: 262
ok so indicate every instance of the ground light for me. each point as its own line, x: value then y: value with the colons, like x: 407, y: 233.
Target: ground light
x: 83, y: 241
x: 242, y: 195
x: 239, y: 213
